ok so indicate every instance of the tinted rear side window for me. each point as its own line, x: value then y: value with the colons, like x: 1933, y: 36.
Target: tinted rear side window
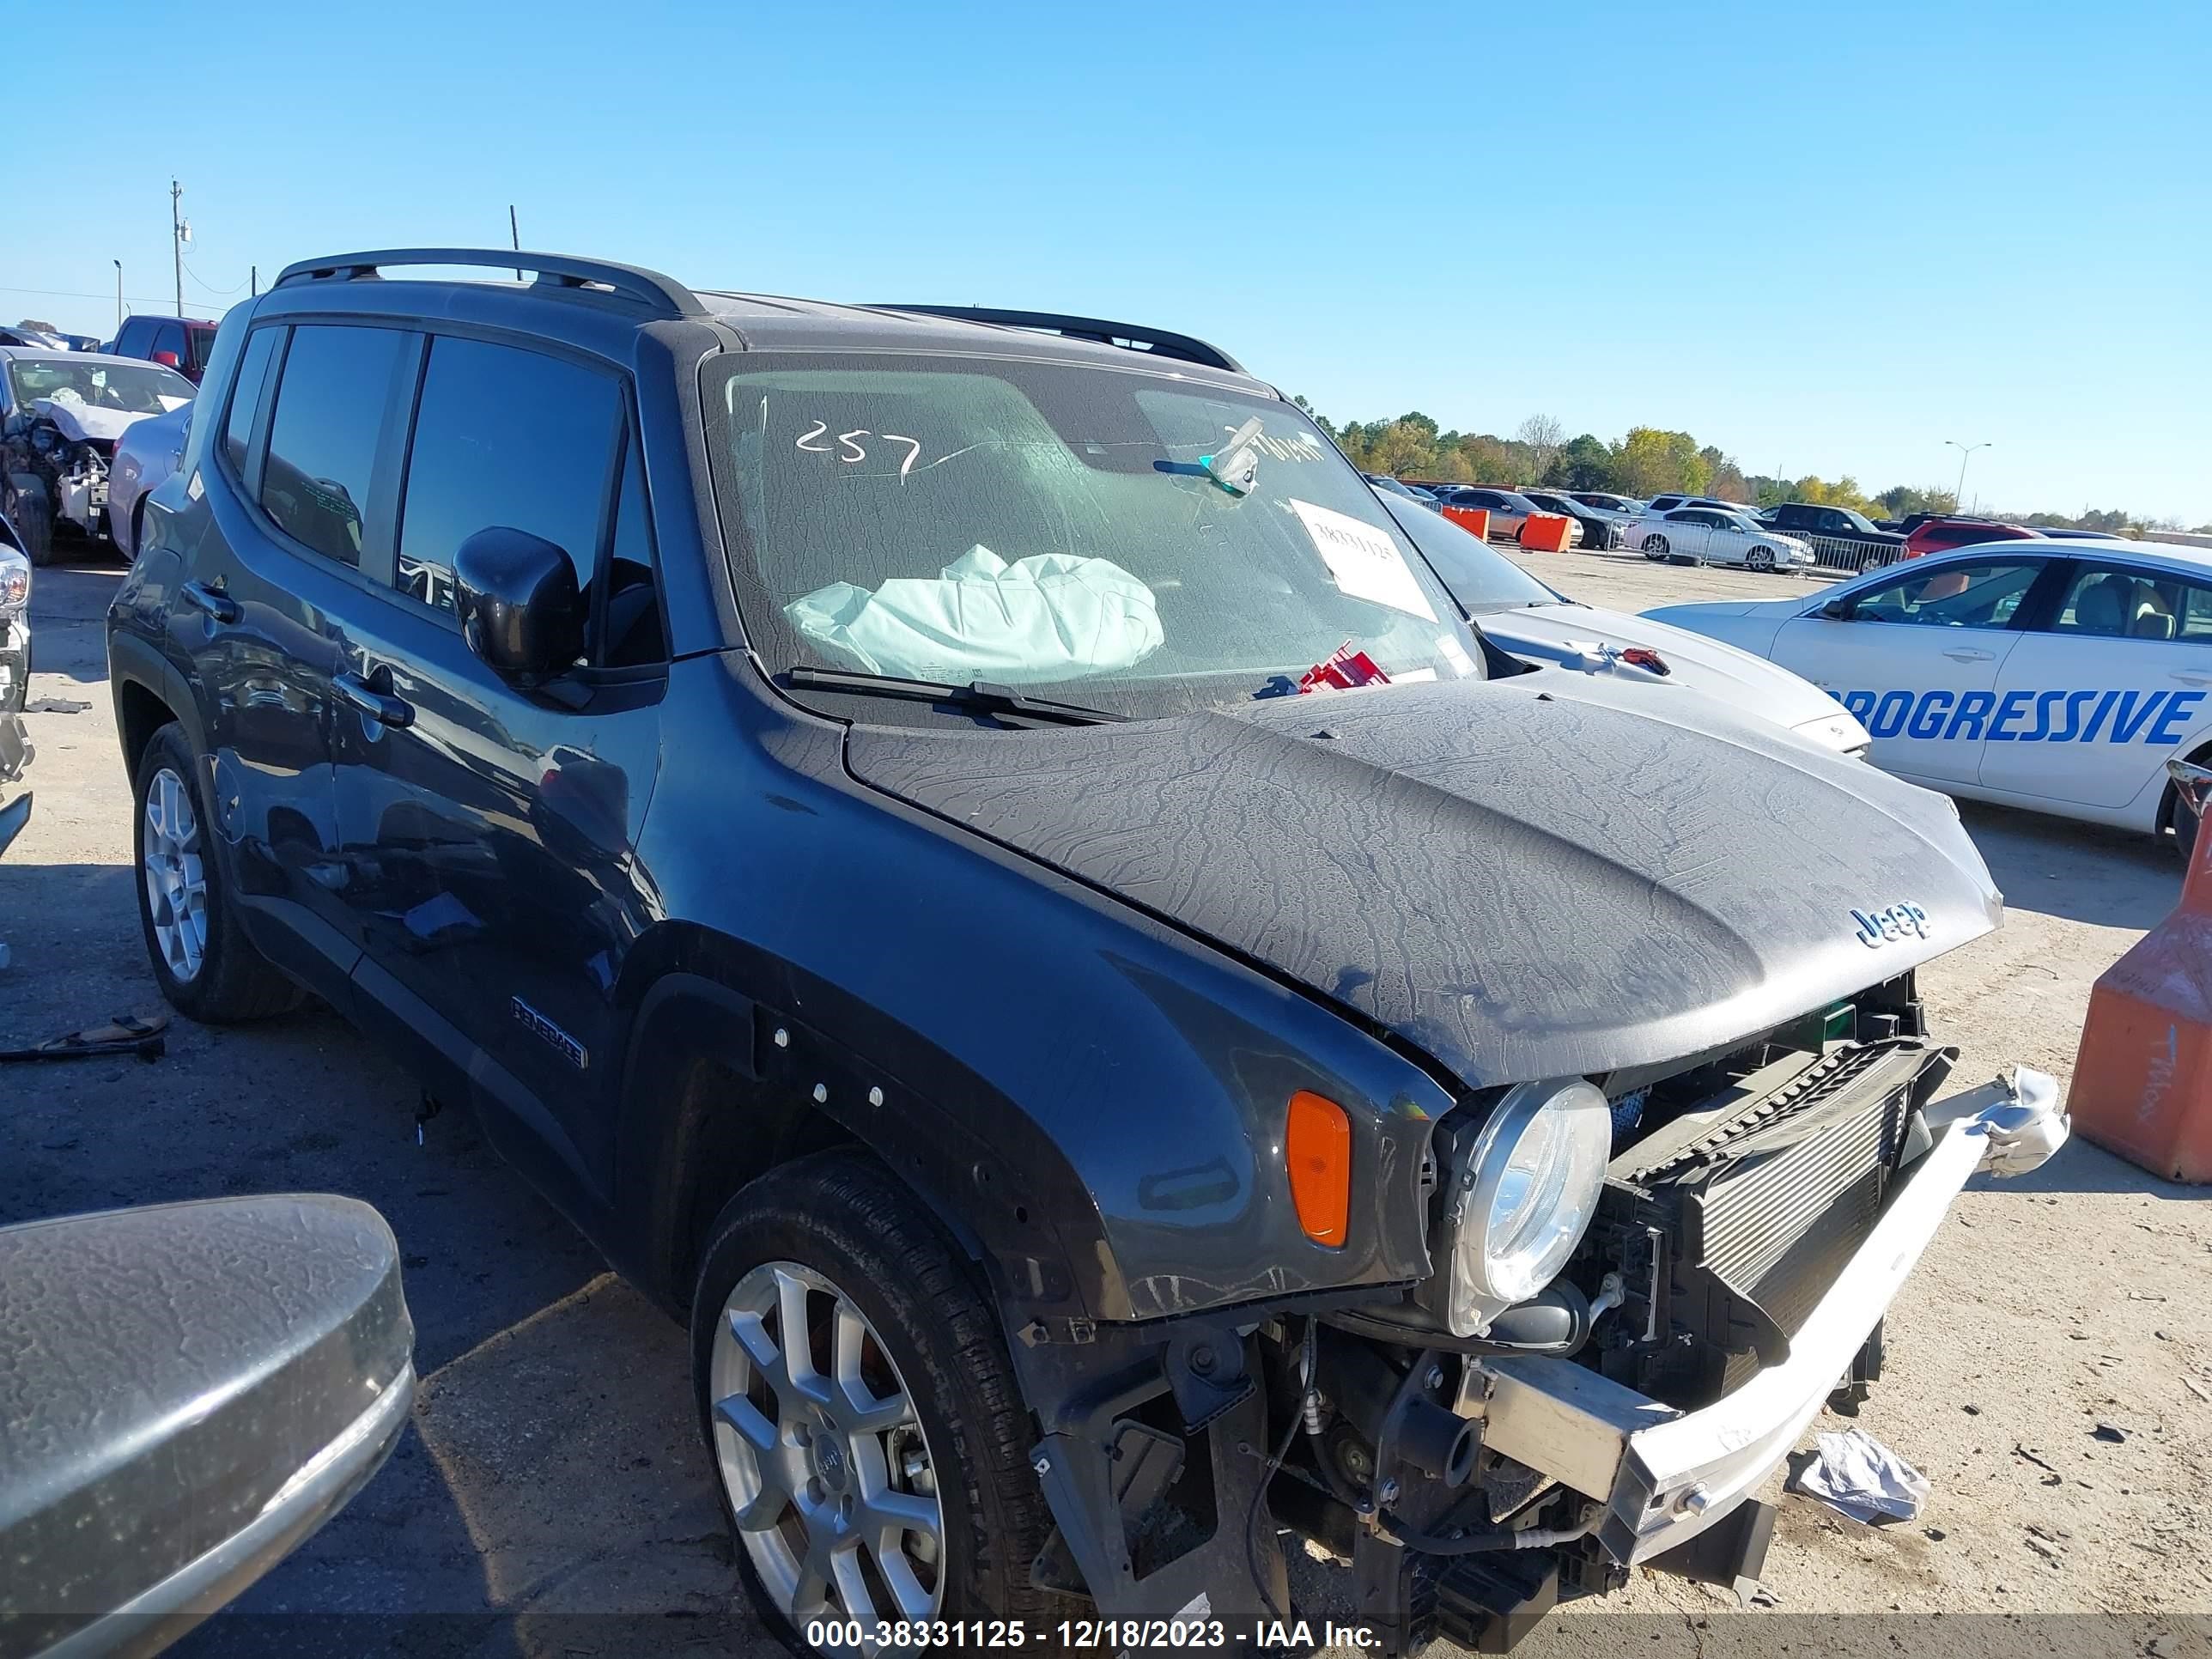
x: 245, y: 395
x: 510, y: 438
x: 322, y: 445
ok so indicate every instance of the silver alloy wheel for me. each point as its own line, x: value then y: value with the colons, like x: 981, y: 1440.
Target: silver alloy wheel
x: 826, y: 1467
x: 1760, y: 558
x: 1654, y: 547
x: 176, y: 882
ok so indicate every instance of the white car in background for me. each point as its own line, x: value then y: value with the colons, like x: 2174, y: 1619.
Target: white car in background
x: 144, y: 455
x: 1712, y: 535
x: 1523, y: 617
x: 2059, y: 676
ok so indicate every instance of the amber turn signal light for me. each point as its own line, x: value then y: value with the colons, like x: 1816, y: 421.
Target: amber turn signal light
x: 1317, y: 1148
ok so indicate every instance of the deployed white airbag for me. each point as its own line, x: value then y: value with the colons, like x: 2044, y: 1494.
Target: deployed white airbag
x: 1050, y: 617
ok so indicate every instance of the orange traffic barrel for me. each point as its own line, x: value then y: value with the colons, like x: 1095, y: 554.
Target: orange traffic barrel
x: 1475, y: 520
x: 2143, y: 1083
x: 1547, y: 532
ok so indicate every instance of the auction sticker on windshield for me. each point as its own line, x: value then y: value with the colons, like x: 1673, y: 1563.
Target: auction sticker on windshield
x: 1364, y: 561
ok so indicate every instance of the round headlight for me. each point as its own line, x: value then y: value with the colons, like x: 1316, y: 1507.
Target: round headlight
x: 1524, y: 1188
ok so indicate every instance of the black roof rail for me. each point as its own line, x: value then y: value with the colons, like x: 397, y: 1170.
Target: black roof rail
x: 664, y: 294
x: 1159, y: 341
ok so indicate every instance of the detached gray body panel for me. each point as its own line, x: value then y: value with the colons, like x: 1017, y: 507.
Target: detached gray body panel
x: 186, y: 1391
x: 1536, y: 877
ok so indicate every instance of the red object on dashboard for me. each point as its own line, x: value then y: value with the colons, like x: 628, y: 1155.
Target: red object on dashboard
x: 1343, y: 669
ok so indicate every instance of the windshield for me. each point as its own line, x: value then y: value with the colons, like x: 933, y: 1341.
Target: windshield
x: 130, y: 388
x: 1478, y: 577
x: 1052, y: 525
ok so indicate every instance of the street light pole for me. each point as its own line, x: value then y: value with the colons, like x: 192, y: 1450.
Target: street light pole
x: 119, y: 296
x: 1965, y: 454
x: 176, y: 240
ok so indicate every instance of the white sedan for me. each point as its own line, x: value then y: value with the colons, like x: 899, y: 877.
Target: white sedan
x: 2060, y: 675
x: 1530, y: 620
x: 1711, y: 535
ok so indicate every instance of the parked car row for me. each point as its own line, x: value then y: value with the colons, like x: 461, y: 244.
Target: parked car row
x: 1836, y: 538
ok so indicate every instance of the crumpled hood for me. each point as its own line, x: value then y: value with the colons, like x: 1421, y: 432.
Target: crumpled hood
x: 1551, y: 632
x: 77, y: 421
x: 1552, y: 874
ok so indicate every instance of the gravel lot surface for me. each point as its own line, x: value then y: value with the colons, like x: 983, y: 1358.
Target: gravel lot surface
x: 553, y: 1470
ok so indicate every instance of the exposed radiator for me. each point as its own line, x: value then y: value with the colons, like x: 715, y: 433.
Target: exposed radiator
x: 1763, y: 1206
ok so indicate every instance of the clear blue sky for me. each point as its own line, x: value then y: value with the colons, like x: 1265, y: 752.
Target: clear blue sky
x: 1824, y: 239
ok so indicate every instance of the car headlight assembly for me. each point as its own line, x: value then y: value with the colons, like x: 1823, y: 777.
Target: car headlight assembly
x: 1519, y: 1189
x: 14, y: 581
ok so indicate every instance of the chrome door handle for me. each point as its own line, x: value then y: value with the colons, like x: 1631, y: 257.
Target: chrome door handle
x: 1969, y: 653
x: 379, y: 706
x: 213, y: 601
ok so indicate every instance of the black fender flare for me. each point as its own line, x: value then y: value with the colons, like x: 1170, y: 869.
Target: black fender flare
x: 718, y: 1086
x: 133, y: 660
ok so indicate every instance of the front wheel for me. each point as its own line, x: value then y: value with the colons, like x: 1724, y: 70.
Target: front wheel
x: 1654, y: 547
x: 868, y: 1436
x: 1760, y: 559
x: 32, y: 515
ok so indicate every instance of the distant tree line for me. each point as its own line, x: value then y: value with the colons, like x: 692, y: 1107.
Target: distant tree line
x: 1646, y: 462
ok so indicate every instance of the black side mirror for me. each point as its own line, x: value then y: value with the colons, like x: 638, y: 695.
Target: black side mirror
x: 519, y: 606
x: 1836, y: 611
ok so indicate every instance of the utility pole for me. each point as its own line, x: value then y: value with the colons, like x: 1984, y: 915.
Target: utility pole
x: 253, y: 281
x: 119, y: 296
x: 514, y: 236
x: 1966, y: 454
x: 177, y: 240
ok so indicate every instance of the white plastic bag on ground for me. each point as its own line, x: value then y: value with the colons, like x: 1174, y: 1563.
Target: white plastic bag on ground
x: 1856, y: 1473
x: 1051, y: 616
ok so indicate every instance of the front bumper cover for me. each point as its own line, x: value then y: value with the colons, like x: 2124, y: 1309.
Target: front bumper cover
x: 1664, y: 1475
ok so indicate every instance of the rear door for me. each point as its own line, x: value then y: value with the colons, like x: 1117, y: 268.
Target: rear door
x: 275, y: 549
x: 1916, y: 658
x: 492, y: 829
x: 2105, y: 686
x: 1688, y: 532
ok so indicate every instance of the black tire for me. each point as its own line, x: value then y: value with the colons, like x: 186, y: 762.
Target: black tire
x: 846, y: 1217
x: 32, y: 515
x: 232, y: 983
x: 2175, y: 811
x: 1654, y: 547
x: 1761, y: 559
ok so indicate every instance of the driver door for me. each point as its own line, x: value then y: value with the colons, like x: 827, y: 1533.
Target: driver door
x: 1916, y: 657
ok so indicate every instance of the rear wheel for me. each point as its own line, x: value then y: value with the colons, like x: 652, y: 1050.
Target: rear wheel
x: 868, y: 1436
x: 205, y: 965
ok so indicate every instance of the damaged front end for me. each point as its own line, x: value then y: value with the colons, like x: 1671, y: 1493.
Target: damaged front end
x: 71, y: 465
x: 1543, y: 1412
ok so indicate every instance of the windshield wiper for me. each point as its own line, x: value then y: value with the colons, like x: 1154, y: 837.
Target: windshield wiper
x: 977, y: 697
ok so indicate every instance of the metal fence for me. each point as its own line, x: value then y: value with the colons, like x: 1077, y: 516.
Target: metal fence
x: 1841, y: 554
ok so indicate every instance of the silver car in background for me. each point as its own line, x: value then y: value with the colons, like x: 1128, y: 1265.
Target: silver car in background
x: 145, y: 455
x: 1711, y: 535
